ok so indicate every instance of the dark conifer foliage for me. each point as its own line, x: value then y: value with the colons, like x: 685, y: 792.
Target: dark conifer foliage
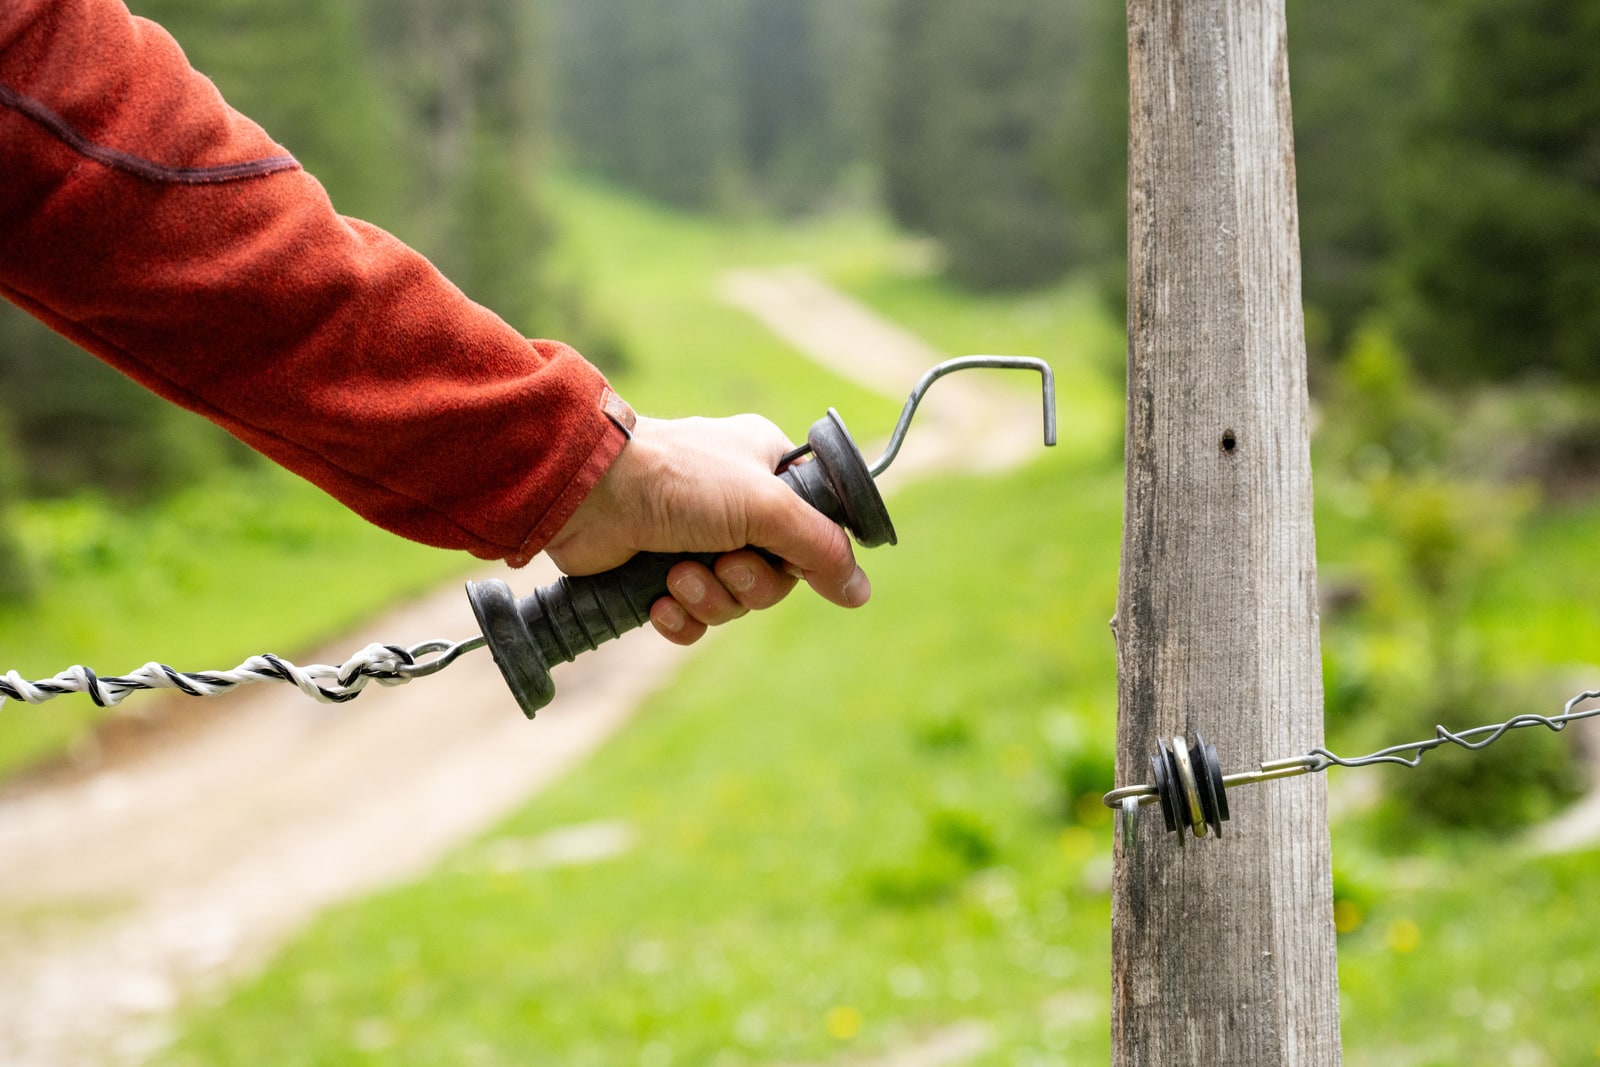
x: 1497, y: 208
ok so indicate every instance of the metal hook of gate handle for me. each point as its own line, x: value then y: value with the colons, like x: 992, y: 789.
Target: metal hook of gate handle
x: 897, y: 438
x: 1048, y: 385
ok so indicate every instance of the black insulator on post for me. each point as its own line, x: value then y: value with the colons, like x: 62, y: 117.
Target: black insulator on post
x: 1189, y: 786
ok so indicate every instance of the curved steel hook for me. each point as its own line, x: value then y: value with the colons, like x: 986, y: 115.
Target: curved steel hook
x: 1048, y: 385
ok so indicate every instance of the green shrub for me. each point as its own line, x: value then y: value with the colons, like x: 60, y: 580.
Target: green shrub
x: 957, y: 843
x: 16, y: 578
x: 1523, y: 777
x: 1083, y: 762
x: 1410, y: 658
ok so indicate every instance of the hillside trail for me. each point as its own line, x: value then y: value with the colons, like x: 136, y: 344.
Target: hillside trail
x: 168, y: 870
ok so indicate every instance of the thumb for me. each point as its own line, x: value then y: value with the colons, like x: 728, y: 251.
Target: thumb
x: 815, y: 547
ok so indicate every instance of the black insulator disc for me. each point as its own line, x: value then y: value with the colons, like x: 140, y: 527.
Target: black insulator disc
x: 1166, y: 784
x: 865, y: 514
x: 1208, y: 773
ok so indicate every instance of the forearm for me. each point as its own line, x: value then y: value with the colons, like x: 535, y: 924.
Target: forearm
x: 161, y: 230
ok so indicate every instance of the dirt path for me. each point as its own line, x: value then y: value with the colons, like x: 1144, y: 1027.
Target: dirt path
x: 208, y: 853
x: 173, y: 870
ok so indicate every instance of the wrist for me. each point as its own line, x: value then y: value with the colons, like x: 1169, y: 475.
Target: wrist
x: 607, y: 525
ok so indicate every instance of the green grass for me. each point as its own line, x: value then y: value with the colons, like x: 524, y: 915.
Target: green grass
x: 1471, y: 955
x: 254, y: 560
x: 854, y: 829
x: 1539, y: 608
x: 851, y: 832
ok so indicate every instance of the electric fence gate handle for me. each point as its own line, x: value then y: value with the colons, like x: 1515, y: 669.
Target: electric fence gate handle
x: 558, y: 622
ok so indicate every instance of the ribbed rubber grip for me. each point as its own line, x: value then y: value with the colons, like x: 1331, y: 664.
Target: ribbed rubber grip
x: 571, y: 616
x: 575, y: 615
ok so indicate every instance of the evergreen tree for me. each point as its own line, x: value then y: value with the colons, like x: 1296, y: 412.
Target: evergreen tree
x: 787, y: 142
x: 681, y: 121
x: 591, y: 86
x: 1498, y: 214
x: 464, y: 80
x: 302, y: 70
x: 911, y: 64
x: 77, y: 422
x: 848, y: 45
x: 646, y: 93
x: 1356, y: 69
x: 705, y: 103
x: 973, y: 104
x: 1090, y: 149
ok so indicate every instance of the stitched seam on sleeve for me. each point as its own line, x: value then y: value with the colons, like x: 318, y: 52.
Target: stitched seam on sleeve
x: 138, y: 166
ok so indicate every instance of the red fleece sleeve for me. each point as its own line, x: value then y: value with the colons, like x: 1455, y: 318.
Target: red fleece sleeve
x: 164, y: 232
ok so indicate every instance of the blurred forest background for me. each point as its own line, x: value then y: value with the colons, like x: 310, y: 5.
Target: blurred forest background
x: 1448, y: 161
x: 1448, y: 157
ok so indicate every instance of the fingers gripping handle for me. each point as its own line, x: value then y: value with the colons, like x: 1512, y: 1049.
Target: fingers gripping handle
x: 560, y: 621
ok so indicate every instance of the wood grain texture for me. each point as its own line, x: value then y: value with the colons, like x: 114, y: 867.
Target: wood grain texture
x: 1223, y: 951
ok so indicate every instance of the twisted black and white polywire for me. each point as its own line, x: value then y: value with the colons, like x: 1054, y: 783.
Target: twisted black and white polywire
x: 385, y: 664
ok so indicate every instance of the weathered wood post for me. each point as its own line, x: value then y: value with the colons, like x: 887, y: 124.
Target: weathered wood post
x: 1223, y: 951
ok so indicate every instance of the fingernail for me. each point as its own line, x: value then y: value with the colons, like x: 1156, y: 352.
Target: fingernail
x: 671, y: 617
x: 690, y: 588
x: 857, y: 589
x: 739, y: 578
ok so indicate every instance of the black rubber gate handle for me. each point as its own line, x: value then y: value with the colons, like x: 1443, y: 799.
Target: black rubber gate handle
x: 560, y: 621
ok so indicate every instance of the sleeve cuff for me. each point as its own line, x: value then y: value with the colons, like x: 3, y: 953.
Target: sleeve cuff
x: 622, y: 418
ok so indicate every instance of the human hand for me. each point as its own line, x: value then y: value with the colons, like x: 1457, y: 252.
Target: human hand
x: 707, y: 485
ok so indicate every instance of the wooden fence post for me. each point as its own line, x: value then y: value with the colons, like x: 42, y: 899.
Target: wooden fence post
x: 1222, y: 952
